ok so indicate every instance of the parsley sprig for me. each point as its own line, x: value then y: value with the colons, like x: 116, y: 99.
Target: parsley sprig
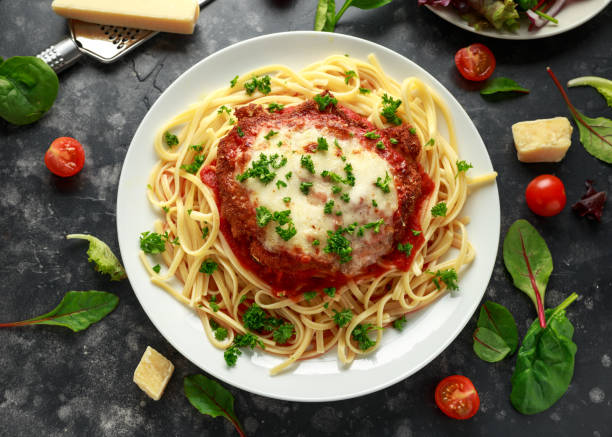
x: 324, y: 101
x: 261, y: 84
x: 448, y: 276
x: 390, y: 106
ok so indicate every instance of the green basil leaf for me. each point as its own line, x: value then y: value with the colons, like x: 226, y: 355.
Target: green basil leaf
x: 498, y: 319
x: 502, y: 85
x: 604, y: 86
x: 77, y: 310
x: 489, y: 346
x: 28, y: 88
x: 102, y: 256
x: 369, y: 4
x: 321, y: 15
x: 545, y: 363
x: 529, y: 262
x: 210, y: 398
x: 595, y: 135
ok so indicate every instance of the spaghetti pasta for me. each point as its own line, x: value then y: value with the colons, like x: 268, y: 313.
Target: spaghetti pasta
x: 192, y: 219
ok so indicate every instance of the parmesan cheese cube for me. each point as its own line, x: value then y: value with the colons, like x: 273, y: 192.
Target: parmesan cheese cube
x: 177, y: 16
x: 153, y: 373
x: 545, y: 140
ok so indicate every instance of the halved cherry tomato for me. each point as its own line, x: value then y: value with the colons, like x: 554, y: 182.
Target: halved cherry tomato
x: 457, y: 397
x: 545, y: 195
x: 475, y: 62
x: 65, y: 157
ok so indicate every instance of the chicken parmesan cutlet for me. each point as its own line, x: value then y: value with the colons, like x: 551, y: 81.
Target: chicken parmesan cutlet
x: 314, y: 195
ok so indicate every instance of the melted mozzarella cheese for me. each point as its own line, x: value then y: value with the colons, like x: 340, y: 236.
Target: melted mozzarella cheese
x: 307, y: 211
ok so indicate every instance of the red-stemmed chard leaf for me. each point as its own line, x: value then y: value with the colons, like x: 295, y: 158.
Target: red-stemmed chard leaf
x: 210, y: 398
x: 595, y: 133
x: 529, y: 262
x: 496, y: 335
x: 591, y: 203
x: 76, y: 311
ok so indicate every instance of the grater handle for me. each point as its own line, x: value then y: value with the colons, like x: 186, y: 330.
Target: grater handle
x: 61, y: 55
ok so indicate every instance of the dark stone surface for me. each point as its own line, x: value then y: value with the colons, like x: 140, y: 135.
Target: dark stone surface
x: 54, y: 382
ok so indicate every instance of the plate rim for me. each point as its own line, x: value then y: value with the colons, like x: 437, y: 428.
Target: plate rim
x: 347, y: 394
x: 492, y: 33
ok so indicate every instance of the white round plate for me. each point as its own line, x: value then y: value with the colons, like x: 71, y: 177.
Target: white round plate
x: 573, y: 14
x: 427, y: 333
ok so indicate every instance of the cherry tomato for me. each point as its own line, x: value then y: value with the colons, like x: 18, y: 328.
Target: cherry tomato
x: 457, y: 397
x: 475, y: 62
x: 545, y: 195
x: 65, y: 157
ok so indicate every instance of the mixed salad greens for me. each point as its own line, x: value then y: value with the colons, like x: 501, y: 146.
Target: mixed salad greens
x: 502, y: 14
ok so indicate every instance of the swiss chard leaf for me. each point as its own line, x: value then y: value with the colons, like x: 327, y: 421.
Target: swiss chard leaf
x: 210, y: 398
x: 496, y: 335
x: 102, y: 256
x: 595, y: 133
x: 529, y: 262
x: 77, y: 311
x: 369, y: 4
x: 604, y: 86
x: 545, y: 362
x: 502, y: 85
x: 28, y: 88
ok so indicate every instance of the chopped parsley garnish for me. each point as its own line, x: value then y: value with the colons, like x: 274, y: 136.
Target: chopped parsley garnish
x: 193, y: 168
x: 280, y: 184
x: 337, y: 144
x: 282, y: 217
x: 315, y: 242
x: 415, y: 232
x: 189, y: 211
x: 374, y: 203
x: 380, y: 145
x: 334, y: 177
x: 338, y: 244
x: 463, y: 166
x: 270, y: 134
x: 232, y: 353
x: 152, y: 242
x: 322, y: 144
x: 439, y: 210
x: 205, y: 232
x: 375, y: 225
x: 324, y: 101
x: 240, y: 131
x: 338, y: 213
x: 400, y: 323
x: 263, y: 216
x: 345, y: 197
x: 331, y: 291
x: 390, y: 106
x: 309, y: 295
x: 364, y: 90
x: 393, y: 141
x: 406, y: 248
x: 157, y: 268
x: 288, y: 175
x: 360, y: 232
x: 275, y: 107
x: 279, y: 144
x: 287, y: 199
x: 286, y: 234
x: 197, y: 147
x: 327, y: 209
x: 166, y: 209
x: 256, y: 319
x: 306, y: 162
x: 305, y: 187
x: 223, y: 109
x: 336, y: 189
x: 283, y: 333
x: 412, y: 130
x: 343, y: 317
x: 350, y: 177
x: 259, y: 169
x: 234, y: 81
x: 384, y: 184
x: 431, y: 142
x: 219, y: 331
x: 372, y: 135
x: 360, y: 335
x: 348, y: 75
x: 262, y: 84
x: 448, y: 276
x: 326, y: 305
x: 171, y: 139
x: 232, y: 121
x: 208, y: 266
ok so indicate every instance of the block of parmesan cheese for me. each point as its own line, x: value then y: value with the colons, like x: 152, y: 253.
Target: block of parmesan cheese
x: 545, y: 140
x: 153, y: 373
x: 177, y: 16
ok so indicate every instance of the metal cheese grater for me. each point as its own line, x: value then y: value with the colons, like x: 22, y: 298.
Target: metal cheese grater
x: 102, y: 42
